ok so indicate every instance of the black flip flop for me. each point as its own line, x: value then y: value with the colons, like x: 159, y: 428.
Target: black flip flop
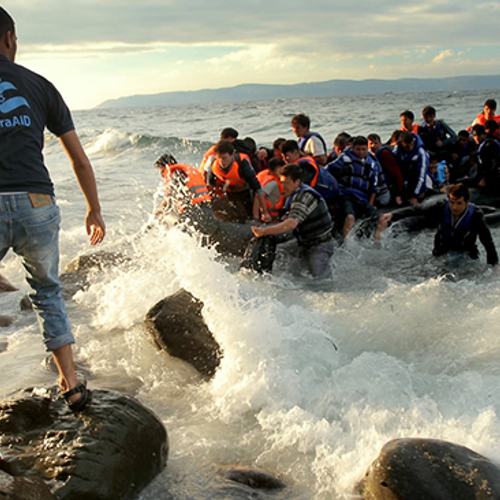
x: 82, y: 402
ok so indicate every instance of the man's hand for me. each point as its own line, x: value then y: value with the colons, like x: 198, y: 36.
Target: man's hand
x: 95, y: 226
x: 258, y: 232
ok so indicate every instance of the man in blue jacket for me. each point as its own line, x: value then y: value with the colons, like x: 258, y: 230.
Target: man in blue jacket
x: 413, y: 160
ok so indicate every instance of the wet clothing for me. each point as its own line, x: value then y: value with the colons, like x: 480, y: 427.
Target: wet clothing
x: 313, y: 233
x: 185, y: 185
x: 308, y: 207
x: 461, y: 235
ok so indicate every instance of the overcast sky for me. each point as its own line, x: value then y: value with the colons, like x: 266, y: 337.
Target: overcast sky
x: 95, y: 50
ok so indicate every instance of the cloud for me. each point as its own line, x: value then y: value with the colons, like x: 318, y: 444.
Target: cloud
x: 444, y: 54
x: 219, y: 44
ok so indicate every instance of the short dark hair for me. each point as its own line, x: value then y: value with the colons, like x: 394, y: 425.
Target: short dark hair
x: 394, y: 136
x: 408, y: 114
x: 6, y: 22
x: 479, y: 129
x: 459, y: 191
x: 463, y: 133
x: 491, y: 125
x: 342, y: 139
x: 289, y: 146
x: 229, y: 133
x: 428, y: 110
x: 406, y: 137
x: 275, y: 163
x: 164, y: 160
x: 293, y: 171
x: 278, y: 142
x: 301, y: 119
x: 373, y: 137
x: 224, y: 147
x: 360, y: 140
x: 491, y: 103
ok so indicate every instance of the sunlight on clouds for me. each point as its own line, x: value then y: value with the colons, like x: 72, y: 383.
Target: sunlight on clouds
x: 444, y: 54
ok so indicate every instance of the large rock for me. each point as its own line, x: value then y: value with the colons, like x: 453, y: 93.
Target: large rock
x: 6, y: 320
x: 97, y: 260
x: 177, y: 326
x: 23, y: 488
x: 254, y: 478
x: 110, y: 451
x: 428, y: 469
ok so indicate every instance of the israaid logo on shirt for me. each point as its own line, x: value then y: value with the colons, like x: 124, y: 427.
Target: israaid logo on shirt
x: 10, y: 104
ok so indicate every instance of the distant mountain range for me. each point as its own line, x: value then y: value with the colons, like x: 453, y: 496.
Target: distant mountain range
x: 250, y: 92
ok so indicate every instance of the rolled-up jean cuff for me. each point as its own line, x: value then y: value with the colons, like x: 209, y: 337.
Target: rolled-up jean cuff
x: 54, y: 343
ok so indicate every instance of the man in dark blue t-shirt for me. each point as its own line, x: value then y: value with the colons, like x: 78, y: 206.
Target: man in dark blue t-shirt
x: 29, y: 216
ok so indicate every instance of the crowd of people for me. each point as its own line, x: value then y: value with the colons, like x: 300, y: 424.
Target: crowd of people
x: 300, y: 188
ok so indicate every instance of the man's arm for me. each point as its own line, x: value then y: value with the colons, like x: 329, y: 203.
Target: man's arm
x: 94, y: 222
x: 486, y: 239
x: 281, y: 228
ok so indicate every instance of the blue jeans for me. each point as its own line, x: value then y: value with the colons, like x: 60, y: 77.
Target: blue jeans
x: 33, y: 234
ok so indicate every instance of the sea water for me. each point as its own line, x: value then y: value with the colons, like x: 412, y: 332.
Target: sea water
x: 316, y: 376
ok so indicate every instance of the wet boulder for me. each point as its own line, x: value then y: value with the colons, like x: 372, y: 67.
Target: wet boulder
x: 177, y: 326
x: 23, y: 488
x: 111, y: 450
x: 253, y: 477
x: 417, y: 469
x: 6, y: 320
x: 97, y: 260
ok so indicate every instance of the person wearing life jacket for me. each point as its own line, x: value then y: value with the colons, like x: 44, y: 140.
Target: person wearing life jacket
x: 407, y: 118
x: 459, y: 156
x: 273, y: 189
x: 342, y: 141
x: 307, y: 219
x: 356, y: 171
x: 184, y: 184
x: 436, y: 135
x: 490, y: 106
x: 311, y: 143
x: 413, y: 161
x: 392, y: 172
x: 236, y: 191
x: 461, y: 224
x: 188, y: 202
x: 227, y: 134
x: 312, y: 174
x: 488, y: 173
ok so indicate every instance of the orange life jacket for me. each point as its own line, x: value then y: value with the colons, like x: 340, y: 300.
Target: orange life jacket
x: 414, y: 128
x: 264, y: 177
x: 194, y: 182
x: 230, y: 178
x: 481, y: 119
x: 311, y: 161
x: 207, y: 159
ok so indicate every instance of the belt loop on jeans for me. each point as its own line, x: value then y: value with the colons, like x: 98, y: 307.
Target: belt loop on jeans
x: 13, y: 204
